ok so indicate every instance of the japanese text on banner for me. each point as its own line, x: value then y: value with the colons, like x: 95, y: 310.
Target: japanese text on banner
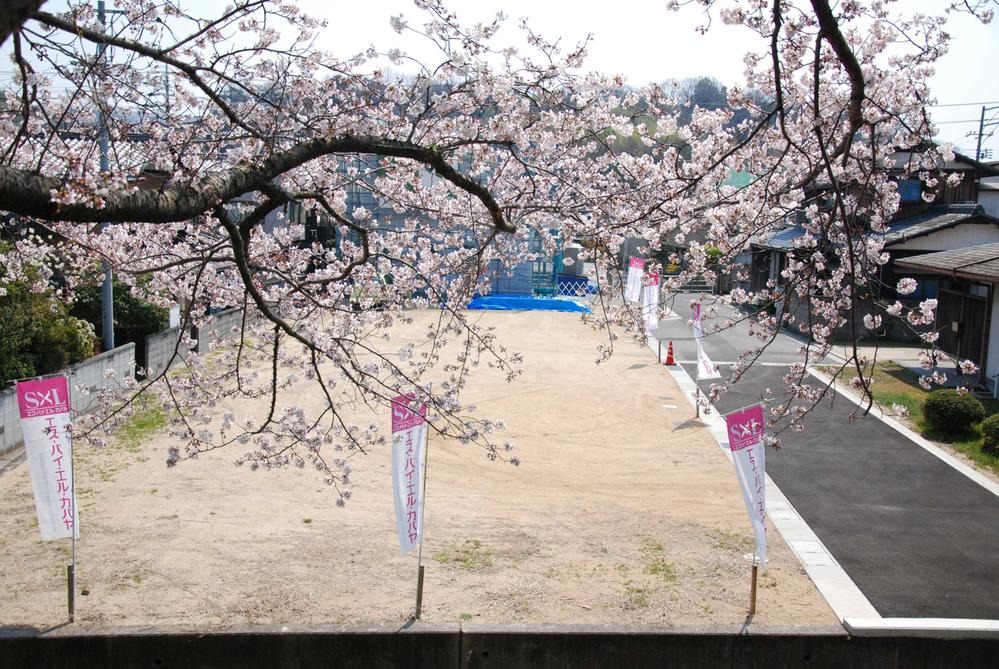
x: 650, y: 300
x: 409, y: 438
x: 745, y: 438
x: 45, y: 418
x: 633, y: 289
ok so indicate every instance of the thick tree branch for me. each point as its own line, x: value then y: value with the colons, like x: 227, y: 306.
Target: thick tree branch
x: 22, y: 192
x: 14, y: 14
x: 832, y: 33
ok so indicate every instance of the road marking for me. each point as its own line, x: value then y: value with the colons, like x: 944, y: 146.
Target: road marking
x: 732, y: 364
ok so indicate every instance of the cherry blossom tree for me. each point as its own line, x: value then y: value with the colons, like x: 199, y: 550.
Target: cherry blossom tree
x: 216, y: 127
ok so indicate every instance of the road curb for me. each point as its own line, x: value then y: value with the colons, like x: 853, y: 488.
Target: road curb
x: 834, y: 584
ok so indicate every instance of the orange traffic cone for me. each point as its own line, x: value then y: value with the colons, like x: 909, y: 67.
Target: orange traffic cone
x: 669, y: 354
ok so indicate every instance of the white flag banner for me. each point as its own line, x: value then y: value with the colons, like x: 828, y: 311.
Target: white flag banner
x: 705, y: 368
x: 44, y: 409
x: 695, y: 322
x: 650, y: 301
x: 409, y: 440
x: 745, y: 440
x: 633, y: 289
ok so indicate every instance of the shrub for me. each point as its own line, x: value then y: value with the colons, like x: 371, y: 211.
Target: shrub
x: 37, y: 335
x: 990, y: 434
x: 951, y: 412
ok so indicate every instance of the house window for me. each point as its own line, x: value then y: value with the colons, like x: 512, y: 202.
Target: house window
x: 910, y: 190
x: 926, y: 288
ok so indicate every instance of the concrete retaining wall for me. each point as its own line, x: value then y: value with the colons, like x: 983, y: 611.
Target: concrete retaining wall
x: 160, y: 349
x: 88, y: 374
x: 473, y: 646
x: 224, y: 325
x: 160, y: 346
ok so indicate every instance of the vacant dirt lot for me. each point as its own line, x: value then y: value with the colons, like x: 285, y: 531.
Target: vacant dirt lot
x: 624, y: 510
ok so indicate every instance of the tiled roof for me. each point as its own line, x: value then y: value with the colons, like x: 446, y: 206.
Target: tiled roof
x: 973, y: 262
x: 939, y: 217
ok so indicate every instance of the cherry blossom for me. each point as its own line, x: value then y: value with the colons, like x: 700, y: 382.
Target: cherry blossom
x: 491, y: 156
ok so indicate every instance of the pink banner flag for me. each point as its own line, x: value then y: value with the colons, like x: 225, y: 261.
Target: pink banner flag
x: 705, y: 368
x: 745, y: 439
x: 633, y: 289
x: 409, y: 439
x: 45, y: 419
x: 650, y: 300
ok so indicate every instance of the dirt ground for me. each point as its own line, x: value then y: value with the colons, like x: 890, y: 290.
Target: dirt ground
x: 624, y: 510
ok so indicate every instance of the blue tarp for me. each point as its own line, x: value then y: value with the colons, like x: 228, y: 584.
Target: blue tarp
x: 526, y: 303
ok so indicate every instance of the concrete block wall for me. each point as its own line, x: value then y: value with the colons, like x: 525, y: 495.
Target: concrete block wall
x: 160, y: 349
x: 85, y: 379
x: 160, y: 346
x: 224, y: 325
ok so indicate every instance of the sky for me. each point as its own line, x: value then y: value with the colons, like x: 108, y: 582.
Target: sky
x: 645, y: 42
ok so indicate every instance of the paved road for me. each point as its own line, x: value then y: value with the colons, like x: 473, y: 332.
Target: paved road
x: 918, y: 538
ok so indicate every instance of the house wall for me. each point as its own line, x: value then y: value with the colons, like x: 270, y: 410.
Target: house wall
x: 989, y: 199
x: 958, y: 237
x: 992, y: 356
x: 892, y: 328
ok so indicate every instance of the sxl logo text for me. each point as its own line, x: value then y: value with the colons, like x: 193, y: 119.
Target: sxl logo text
x: 40, y: 400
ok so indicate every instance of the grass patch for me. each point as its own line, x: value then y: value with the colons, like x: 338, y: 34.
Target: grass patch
x: 636, y: 595
x: 656, y: 563
x: 893, y: 384
x: 469, y: 555
x: 730, y: 541
x: 140, y: 427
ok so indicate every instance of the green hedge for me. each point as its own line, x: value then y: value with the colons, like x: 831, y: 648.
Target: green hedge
x: 990, y: 434
x: 951, y: 412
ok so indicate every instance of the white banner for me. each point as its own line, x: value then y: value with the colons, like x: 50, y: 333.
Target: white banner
x: 745, y: 440
x: 650, y: 300
x: 44, y: 409
x: 409, y: 440
x: 633, y: 290
x: 705, y: 368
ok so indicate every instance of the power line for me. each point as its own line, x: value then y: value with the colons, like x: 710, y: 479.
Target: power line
x: 967, y: 104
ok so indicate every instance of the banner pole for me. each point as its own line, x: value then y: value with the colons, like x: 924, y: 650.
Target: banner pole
x: 423, y: 507
x: 72, y: 476
x: 752, y: 587
x: 697, y: 401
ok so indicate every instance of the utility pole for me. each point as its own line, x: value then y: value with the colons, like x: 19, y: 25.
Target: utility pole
x: 982, y: 125
x: 107, y: 290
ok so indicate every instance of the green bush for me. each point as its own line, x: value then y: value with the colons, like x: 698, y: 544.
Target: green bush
x: 990, y: 434
x: 951, y: 412
x: 37, y: 335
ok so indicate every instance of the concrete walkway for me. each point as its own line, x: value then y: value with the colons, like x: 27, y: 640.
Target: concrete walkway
x: 918, y: 537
